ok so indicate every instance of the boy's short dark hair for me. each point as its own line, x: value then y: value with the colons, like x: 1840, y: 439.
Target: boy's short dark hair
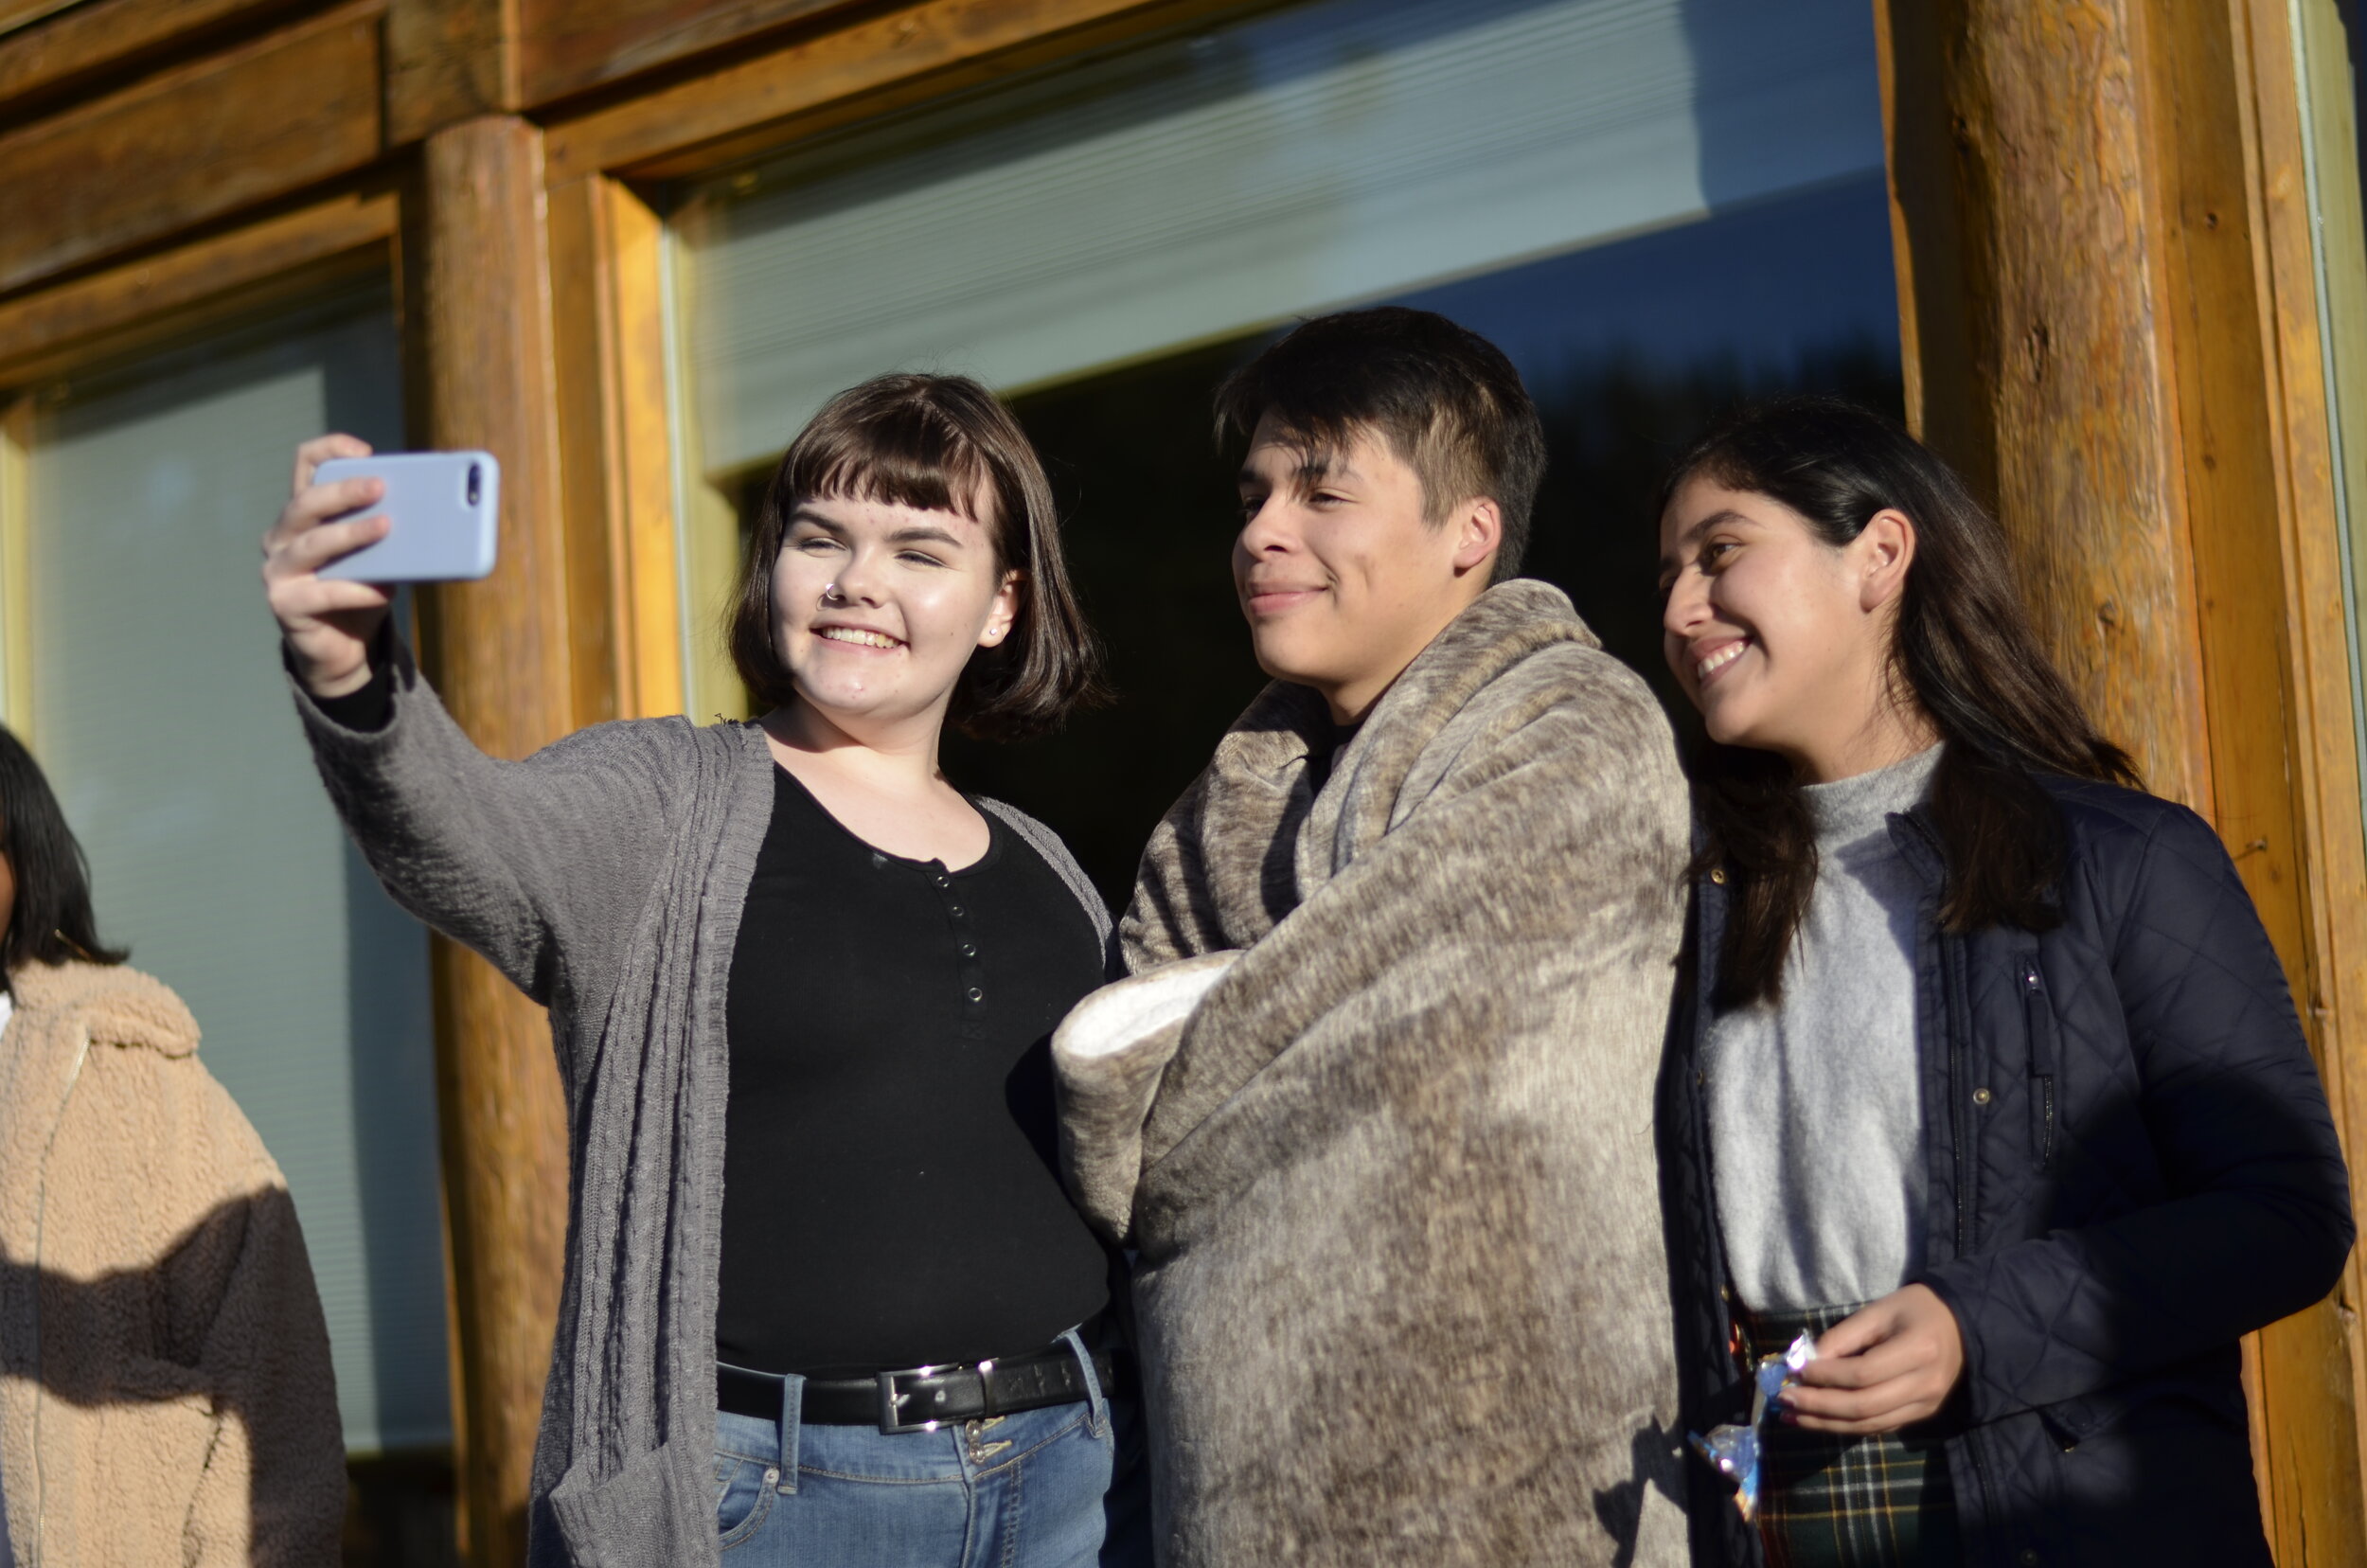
x: 940, y: 443
x: 1447, y: 402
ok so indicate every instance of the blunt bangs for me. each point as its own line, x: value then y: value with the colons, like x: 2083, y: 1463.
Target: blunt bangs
x: 935, y: 443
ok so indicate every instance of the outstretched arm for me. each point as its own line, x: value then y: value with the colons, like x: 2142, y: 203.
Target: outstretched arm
x: 512, y: 859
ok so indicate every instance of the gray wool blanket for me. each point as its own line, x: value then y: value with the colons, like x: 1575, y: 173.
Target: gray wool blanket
x: 1376, y: 1108
x: 605, y: 876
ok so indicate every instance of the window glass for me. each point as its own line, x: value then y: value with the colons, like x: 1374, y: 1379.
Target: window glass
x: 1655, y: 207
x: 1629, y: 349
x: 160, y: 711
x: 1326, y: 152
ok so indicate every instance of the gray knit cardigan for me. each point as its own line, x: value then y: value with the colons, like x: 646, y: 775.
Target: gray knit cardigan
x: 605, y: 876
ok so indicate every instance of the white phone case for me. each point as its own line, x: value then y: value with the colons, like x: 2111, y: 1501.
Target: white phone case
x: 443, y: 504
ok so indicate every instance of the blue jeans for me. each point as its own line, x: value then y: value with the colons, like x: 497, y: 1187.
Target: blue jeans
x: 1063, y: 1486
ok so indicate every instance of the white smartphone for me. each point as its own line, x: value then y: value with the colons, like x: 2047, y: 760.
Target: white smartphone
x: 443, y: 506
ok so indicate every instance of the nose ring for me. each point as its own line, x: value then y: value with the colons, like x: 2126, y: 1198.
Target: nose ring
x: 831, y: 596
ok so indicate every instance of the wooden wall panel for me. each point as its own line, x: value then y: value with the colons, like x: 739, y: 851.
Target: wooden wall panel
x: 61, y: 53
x: 24, y: 13
x: 16, y: 563
x: 2332, y: 874
x: 241, y: 128
x: 570, y: 45
x: 123, y: 307
x: 2218, y: 323
x: 877, y: 61
x: 477, y: 307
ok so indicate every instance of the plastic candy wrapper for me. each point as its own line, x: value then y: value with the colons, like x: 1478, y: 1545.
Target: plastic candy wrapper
x: 1734, y: 1449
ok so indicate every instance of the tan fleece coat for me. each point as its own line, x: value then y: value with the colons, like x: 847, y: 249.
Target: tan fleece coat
x: 165, y: 1395
x: 1376, y: 1108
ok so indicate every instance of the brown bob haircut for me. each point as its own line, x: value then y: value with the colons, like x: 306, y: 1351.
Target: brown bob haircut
x: 1444, y: 399
x: 940, y: 443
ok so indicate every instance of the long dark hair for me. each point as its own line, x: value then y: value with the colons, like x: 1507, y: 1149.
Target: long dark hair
x: 1964, y: 648
x: 52, y: 920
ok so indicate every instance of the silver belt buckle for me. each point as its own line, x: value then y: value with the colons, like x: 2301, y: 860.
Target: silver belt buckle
x: 892, y: 1400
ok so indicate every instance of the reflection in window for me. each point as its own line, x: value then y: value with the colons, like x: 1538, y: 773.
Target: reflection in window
x: 1654, y: 205
x: 1629, y: 349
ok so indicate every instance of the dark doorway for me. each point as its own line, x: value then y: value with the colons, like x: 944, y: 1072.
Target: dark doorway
x: 1630, y: 349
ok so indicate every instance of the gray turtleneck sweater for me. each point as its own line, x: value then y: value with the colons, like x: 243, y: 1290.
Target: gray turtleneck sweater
x: 1816, y: 1104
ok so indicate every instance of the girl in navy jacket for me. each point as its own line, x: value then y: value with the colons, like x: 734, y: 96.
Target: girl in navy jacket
x: 1985, y: 1073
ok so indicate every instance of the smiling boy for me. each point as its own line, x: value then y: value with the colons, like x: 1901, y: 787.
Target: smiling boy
x: 1374, y: 1106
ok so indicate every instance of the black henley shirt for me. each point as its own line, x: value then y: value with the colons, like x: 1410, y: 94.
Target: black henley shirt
x: 891, y: 1195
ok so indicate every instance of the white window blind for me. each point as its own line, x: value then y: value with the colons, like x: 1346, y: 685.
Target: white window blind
x: 1192, y: 190
x: 160, y: 712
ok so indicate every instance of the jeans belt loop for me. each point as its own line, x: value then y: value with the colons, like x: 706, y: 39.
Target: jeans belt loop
x: 792, y: 1404
x: 1093, y: 1392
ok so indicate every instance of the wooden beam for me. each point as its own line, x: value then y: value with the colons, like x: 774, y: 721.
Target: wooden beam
x: 24, y: 13
x: 572, y: 46
x: 124, y: 306
x: 477, y: 304
x: 2084, y: 195
x: 112, y: 36
x: 608, y: 326
x: 448, y: 61
x: 877, y: 61
x: 228, y: 132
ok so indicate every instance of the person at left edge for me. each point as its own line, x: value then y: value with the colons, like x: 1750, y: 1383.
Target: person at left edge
x: 826, y: 1302
x: 166, y: 1388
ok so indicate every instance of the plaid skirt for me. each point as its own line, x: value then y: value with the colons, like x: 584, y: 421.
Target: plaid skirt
x: 1828, y: 1502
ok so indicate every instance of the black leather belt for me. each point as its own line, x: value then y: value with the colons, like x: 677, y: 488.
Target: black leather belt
x: 917, y: 1399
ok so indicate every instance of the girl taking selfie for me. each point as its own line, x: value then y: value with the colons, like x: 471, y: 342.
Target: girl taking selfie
x: 1988, y: 1078
x: 825, y: 1301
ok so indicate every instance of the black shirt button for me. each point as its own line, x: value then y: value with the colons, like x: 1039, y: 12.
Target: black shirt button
x: 955, y: 910
x: 975, y: 994
x: 970, y: 949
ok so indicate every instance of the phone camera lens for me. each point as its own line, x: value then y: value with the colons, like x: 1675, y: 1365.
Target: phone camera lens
x: 477, y: 484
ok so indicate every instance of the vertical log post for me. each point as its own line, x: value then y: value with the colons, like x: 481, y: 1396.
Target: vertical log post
x: 2075, y: 190
x: 2029, y: 295
x: 477, y: 304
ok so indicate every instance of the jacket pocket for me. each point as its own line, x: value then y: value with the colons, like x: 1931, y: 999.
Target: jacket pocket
x: 2043, y: 1063
x: 2071, y: 1422
x: 2181, y: 1395
x: 152, y: 1442
x: 651, y: 1510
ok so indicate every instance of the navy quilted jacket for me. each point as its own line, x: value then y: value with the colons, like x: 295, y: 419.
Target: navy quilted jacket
x: 2132, y: 1165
